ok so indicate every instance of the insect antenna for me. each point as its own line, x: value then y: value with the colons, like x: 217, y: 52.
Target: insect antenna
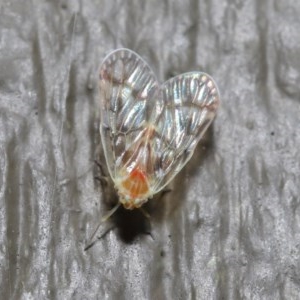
x: 103, y: 220
x: 145, y: 213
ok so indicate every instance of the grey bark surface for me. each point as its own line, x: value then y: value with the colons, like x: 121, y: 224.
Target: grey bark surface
x: 230, y: 226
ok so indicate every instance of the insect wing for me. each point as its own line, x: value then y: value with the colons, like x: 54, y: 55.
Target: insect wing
x: 127, y: 90
x: 190, y: 103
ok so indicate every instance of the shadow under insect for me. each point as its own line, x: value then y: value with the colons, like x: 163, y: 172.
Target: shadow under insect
x: 131, y: 224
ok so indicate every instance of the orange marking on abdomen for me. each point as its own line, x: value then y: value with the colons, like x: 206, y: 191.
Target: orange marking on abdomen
x: 136, y: 183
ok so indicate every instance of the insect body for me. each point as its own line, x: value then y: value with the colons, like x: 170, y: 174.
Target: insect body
x: 149, y: 131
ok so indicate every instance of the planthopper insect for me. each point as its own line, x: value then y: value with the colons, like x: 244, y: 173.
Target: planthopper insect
x: 149, y: 130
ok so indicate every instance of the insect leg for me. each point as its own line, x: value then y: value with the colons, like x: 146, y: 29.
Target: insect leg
x: 102, y: 178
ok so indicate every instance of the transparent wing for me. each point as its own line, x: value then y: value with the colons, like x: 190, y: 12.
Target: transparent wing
x: 190, y: 102
x: 127, y: 90
x: 148, y: 130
